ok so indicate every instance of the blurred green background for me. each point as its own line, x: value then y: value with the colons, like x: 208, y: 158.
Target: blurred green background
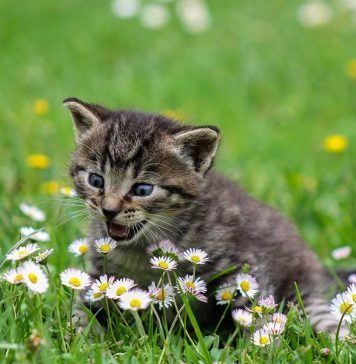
x: 274, y: 78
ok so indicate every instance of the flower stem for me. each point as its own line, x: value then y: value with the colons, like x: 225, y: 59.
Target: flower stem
x: 70, y: 316
x: 221, y: 318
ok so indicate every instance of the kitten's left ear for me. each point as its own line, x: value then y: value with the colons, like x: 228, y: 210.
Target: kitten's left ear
x: 84, y: 115
x: 199, y: 145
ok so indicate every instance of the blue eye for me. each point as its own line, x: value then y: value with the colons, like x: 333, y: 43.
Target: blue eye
x: 96, y: 181
x: 142, y: 189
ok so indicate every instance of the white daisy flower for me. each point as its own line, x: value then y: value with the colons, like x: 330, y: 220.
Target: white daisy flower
x: 341, y: 253
x: 196, y: 287
x: 279, y: 318
x: 225, y: 294
x: 68, y: 191
x: 261, y: 338
x: 119, y: 287
x: 163, y: 297
x: 163, y: 263
x: 102, y: 284
x: 194, y: 15
x: 135, y: 299
x: 166, y: 248
x: 79, y: 247
x: 247, y: 285
x: 125, y: 8
x: 267, y: 304
x: 14, y: 276
x: 242, y: 317
x: 36, y: 235
x: 33, y: 212
x: 352, y: 278
x: 351, y: 291
x: 314, y: 14
x: 42, y: 257
x: 154, y: 16
x: 93, y: 296
x: 34, y: 277
x: 22, y: 252
x: 343, y: 304
x: 105, y: 245
x: 274, y: 328
x: 75, y: 278
x: 196, y: 256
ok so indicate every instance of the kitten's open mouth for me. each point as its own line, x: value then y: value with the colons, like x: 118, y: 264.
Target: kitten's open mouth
x: 121, y: 232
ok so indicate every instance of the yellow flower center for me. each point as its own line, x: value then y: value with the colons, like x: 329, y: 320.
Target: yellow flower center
x: 67, y: 190
x: 335, y: 143
x: 354, y: 297
x: 39, y: 161
x: 19, y: 277
x: 278, y: 320
x: 242, y: 320
x: 257, y: 309
x: 105, y: 248
x: 103, y: 287
x: 245, y: 286
x: 264, y: 340
x: 346, y: 308
x: 163, y: 264
x: 120, y: 291
x: 190, y: 285
x: 226, y: 296
x: 33, y: 277
x: 97, y: 294
x: 83, y: 248
x: 75, y: 281
x: 161, y: 295
x: 22, y: 252
x: 134, y: 303
x: 195, y: 259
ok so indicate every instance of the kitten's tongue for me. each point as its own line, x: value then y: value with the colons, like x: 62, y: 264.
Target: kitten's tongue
x: 118, y: 232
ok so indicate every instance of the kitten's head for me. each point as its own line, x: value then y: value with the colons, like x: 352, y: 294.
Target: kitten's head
x: 133, y: 169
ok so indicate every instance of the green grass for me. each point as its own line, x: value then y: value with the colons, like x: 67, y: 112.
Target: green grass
x: 274, y: 88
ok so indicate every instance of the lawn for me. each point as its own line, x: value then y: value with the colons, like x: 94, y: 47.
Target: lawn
x: 276, y: 87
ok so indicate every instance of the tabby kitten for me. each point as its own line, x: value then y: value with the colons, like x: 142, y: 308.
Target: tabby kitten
x: 146, y: 178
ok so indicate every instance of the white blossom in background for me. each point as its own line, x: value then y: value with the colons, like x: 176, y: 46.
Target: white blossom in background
x: 33, y: 212
x: 36, y: 235
x: 154, y: 16
x: 314, y: 14
x: 194, y: 15
x: 352, y: 278
x: 349, y: 4
x: 341, y: 253
x: 125, y: 8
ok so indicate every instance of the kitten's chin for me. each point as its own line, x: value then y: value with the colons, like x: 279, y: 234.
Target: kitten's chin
x: 122, y: 233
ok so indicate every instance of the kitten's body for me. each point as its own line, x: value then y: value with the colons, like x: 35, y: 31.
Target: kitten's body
x: 192, y: 206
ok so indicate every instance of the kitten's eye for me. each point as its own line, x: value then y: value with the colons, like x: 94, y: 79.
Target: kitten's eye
x: 96, y: 181
x: 142, y: 189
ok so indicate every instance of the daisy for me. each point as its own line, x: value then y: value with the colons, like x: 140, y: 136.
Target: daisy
x: 75, y: 279
x: 279, y: 318
x: 261, y: 338
x: 42, y: 257
x: 352, y: 278
x: 119, y: 287
x: 314, y: 14
x: 343, y: 304
x: 22, y: 252
x: 79, y: 247
x: 247, y: 285
x: 105, y: 245
x: 267, y: 304
x: 196, y: 256
x: 33, y: 212
x: 13, y: 276
x: 274, y: 328
x: 341, y: 253
x: 242, y: 317
x: 34, y: 277
x: 196, y: 287
x: 68, y: 191
x: 93, y: 295
x: 134, y: 300
x: 351, y: 290
x: 35, y: 234
x: 102, y: 284
x: 163, y: 263
x: 166, y: 248
x: 225, y: 294
x: 163, y: 297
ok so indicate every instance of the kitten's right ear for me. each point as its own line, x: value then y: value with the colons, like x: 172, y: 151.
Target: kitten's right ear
x: 84, y: 115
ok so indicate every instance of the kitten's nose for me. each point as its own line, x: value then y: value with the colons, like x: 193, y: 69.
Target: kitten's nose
x: 110, y: 214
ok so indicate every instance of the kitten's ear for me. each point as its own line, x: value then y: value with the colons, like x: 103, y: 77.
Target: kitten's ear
x: 199, y: 145
x: 84, y: 115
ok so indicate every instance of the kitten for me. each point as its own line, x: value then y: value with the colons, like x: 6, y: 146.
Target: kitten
x: 146, y: 178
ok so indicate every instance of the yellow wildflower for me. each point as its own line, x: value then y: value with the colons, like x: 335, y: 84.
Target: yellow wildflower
x: 40, y: 107
x: 351, y: 69
x: 51, y: 187
x: 39, y: 161
x: 335, y: 143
